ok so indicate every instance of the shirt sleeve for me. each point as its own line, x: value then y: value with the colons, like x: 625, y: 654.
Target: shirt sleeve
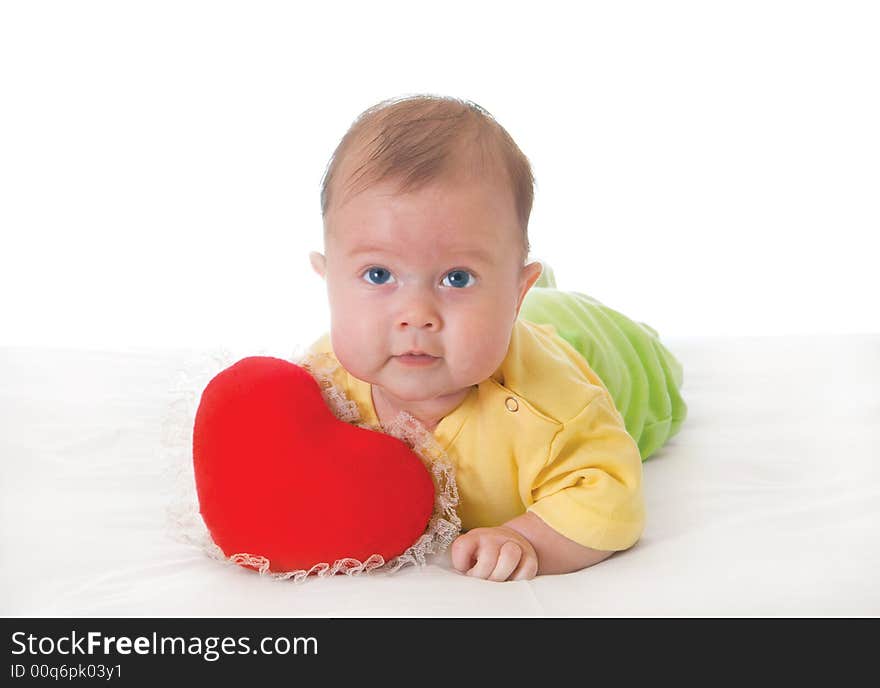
x: 590, y: 488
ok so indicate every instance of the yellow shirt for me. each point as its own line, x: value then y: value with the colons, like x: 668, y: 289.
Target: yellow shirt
x: 541, y: 434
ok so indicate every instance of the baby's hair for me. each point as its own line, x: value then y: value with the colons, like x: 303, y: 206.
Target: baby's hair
x: 420, y: 138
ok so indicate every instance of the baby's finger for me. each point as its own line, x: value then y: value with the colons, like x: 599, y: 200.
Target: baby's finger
x: 527, y: 569
x: 463, y: 552
x: 508, y: 557
x: 487, y: 556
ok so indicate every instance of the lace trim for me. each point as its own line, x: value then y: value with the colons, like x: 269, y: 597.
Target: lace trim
x: 184, y: 522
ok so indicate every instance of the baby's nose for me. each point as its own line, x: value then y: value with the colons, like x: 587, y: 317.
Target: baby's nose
x: 429, y: 323
x: 420, y: 314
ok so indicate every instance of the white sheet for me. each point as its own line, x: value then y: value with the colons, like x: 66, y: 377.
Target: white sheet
x: 766, y: 503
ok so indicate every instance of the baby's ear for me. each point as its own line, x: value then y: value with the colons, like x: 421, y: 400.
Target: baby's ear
x: 319, y: 263
x: 530, y: 275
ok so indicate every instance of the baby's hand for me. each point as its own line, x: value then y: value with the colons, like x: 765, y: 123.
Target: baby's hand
x: 498, y: 554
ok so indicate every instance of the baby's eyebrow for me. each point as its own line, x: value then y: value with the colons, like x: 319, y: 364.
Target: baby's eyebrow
x: 470, y: 252
x: 358, y: 250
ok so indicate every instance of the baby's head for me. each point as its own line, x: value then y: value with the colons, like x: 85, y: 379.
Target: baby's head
x: 426, y: 204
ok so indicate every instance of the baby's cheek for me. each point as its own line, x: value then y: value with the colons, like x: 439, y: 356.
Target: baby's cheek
x: 477, y: 358
x: 351, y: 346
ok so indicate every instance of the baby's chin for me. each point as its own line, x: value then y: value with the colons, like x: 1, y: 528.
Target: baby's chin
x: 414, y: 387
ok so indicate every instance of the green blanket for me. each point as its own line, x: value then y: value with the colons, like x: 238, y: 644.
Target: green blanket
x: 642, y: 376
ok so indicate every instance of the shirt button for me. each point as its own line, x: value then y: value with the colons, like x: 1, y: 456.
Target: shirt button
x: 511, y: 404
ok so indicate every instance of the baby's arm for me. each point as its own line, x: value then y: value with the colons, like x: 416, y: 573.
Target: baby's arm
x: 519, y: 550
x: 589, y: 487
x: 556, y: 553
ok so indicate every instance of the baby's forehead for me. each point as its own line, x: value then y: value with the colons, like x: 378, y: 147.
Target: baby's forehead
x: 435, y: 220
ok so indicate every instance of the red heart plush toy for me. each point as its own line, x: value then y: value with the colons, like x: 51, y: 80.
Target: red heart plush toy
x: 279, y: 476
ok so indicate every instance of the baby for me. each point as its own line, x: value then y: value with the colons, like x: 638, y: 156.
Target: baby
x: 426, y: 203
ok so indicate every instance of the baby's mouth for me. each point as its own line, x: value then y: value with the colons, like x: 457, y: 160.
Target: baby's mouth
x: 416, y: 359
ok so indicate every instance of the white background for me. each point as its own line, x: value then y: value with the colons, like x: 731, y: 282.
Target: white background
x: 708, y: 168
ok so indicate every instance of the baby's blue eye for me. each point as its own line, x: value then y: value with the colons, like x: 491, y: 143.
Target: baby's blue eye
x: 459, y: 279
x: 380, y: 275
